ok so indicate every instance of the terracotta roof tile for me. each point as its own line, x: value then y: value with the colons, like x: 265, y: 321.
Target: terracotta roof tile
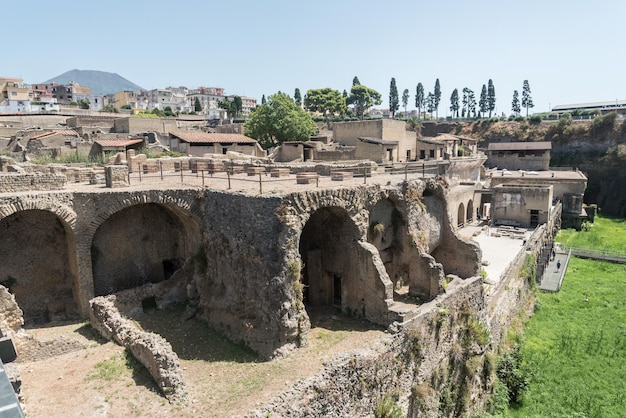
x: 64, y: 132
x: 195, y: 137
x: 117, y: 142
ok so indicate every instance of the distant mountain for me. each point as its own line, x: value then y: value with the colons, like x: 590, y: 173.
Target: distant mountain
x: 100, y: 82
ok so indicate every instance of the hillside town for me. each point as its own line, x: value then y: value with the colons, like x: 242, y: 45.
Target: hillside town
x: 17, y: 96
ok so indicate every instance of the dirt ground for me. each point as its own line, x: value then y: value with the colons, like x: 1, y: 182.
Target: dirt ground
x: 223, y: 379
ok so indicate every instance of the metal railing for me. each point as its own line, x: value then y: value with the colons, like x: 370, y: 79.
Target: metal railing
x: 226, y: 176
x: 597, y: 254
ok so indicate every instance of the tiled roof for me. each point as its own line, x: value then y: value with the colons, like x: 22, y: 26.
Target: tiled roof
x: 117, y: 142
x: 63, y: 132
x: 434, y: 141
x: 447, y: 137
x: 372, y: 140
x: 520, y: 146
x: 195, y: 137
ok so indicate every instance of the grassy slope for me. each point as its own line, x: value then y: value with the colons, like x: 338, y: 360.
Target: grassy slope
x: 577, y: 347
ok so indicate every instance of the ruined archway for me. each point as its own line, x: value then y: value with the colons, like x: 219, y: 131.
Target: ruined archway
x: 38, y: 265
x: 324, y: 246
x: 140, y: 244
x: 389, y: 234
x: 460, y: 220
x: 470, y: 211
x: 408, y: 269
x: 341, y: 270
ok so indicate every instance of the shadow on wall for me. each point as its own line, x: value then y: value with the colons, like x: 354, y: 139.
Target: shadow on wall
x: 36, y: 265
x: 141, y: 244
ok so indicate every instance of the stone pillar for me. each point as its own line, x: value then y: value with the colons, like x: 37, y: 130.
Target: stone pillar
x: 116, y: 176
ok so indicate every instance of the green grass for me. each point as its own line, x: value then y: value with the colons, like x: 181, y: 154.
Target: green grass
x: 606, y: 233
x: 576, y: 341
x: 112, y: 368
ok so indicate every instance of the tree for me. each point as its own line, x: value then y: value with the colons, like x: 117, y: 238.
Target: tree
x: 469, y: 103
x: 437, y: 97
x: 454, y: 103
x: 527, y: 100
x: 297, y: 97
x: 405, y: 100
x: 326, y: 101
x: 232, y: 107
x: 263, y: 99
x: 362, y: 98
x: 84, y: 103
x: 515, y: 106
x: 167, y: 111
x: 419, y: 98
x: 482, y: 102
x: 430, y: 103
x: 237, y: 105
x: 197, y: 106
x: 355, y: 81
x: 279, y: 120
x: 394, y: 102
x: 491, y: 97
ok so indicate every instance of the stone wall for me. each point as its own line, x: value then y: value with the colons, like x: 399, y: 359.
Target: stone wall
x: 442, y: 363
x: 22, y: 182
x: 244, y: 255
x: 151, y: 350
x: 435, y: 367
x: 513, y: 204
x: 347, y: 154
x: 139, y: 125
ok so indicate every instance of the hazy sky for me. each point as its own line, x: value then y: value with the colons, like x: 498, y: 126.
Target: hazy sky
x: 570, y: 52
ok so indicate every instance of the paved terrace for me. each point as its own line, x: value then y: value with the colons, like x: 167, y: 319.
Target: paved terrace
x: 263, y: 183
x: 498, y: 250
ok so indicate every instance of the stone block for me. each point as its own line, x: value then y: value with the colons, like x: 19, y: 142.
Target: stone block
x: 341, y: 175
x: 116, y: 176
x: 255, y: 171
x: 279, y: 172
x: 306, y: 178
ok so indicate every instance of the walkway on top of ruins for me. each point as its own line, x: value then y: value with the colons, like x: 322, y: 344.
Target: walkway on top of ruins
x: 554, y: 273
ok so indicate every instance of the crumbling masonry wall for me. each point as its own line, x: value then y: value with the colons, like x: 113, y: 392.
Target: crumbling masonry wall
x: 243, y: 268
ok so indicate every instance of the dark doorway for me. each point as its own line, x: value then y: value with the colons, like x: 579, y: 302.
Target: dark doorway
x: 534, y: 218
x: 326, y: 244
x: 337, y: 290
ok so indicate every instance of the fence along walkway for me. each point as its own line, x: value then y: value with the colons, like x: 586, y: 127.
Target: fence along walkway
x: 269, y: 178
x: 592, y: 253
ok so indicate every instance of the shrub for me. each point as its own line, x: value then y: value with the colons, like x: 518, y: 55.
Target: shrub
x: 535, y: 119
x: 509, y: 371
x: 603, y: 124
x: 387, y: 408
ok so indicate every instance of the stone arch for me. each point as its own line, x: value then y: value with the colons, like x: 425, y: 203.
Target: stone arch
x: 62, y: 211
x: 339, y: 269
x: 183, y: 204
x: 460, y: 220
x: 38, y: 263
x: 470, y: 211
x: 140, y: 244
